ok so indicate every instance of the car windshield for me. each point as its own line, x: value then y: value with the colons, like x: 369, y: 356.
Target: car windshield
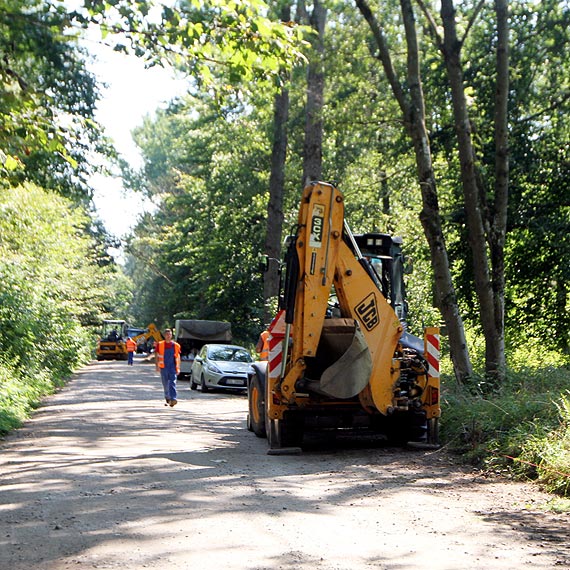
x: 228, y: 354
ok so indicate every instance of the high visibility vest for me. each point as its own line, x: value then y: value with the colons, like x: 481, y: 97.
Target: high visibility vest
x: 264, y: 354
x: 131, y: 345
x: 160, y: 347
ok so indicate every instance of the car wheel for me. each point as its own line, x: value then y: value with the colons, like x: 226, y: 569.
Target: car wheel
x: 193, y: 384
x: 203, y: 385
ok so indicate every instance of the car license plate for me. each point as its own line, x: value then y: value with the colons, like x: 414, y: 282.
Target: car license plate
x: 235, y: 381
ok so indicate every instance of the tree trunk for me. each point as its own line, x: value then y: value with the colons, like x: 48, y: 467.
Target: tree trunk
x: 384, y: 193
x: 494, y: 338
x: 313, y: 144
x: 273, y: 235
x: 498, y: 224
x: 413, y: 109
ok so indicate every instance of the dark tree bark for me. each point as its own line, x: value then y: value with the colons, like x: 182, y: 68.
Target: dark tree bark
x: 273, y: 235
x: 275, y: 205
x: 490, y: 290
x: 313, y: 145
x: 499, y: 223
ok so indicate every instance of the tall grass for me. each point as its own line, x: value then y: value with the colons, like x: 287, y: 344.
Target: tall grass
x: 522, y: 428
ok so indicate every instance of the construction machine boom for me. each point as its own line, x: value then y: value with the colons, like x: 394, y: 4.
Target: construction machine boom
x: 142, y: 339
x: 349, y: 365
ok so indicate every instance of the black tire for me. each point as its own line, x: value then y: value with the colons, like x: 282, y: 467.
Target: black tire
x: 287, y: 432
x: 273, y: 433
x: 407, y: 427
x: 193, y: 385
x: 203, y: 386
x: 433, y: 431
x: 256, y: 406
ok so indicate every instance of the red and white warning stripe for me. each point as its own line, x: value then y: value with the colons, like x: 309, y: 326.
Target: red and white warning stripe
x: 276, y: 335
x: 432, y: 351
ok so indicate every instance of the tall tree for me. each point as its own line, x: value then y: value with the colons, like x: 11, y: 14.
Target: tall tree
x: 208, y: 172
x: 482, y: 230
x: 313, y: 145
x: 412, y: 106
x: 273, y: 236
x: 313, y: 139
x: 47, y: 100
x: 537, y: 269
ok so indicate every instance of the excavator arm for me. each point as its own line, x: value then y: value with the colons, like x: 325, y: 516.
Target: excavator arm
x: 326, y: 262
x: 152, y: 332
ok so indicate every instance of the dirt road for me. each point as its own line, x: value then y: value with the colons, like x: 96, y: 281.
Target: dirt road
x: 105, y: 476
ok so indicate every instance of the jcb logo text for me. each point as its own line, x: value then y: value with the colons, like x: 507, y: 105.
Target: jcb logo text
x: 368, y: 312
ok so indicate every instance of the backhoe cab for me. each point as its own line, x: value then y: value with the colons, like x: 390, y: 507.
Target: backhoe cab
x: 350, y: 365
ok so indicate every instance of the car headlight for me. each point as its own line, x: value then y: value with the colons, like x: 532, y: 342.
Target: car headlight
x: 213, y: 368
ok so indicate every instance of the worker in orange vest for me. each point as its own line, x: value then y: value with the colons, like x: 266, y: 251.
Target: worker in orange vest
x: 131, y: 349
x: 262, y: 346
x: 167, y: 362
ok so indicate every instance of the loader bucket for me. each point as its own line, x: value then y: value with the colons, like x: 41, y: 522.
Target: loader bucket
x: 343, y: 344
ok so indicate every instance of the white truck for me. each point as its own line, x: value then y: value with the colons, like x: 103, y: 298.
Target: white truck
x: 192, y: 335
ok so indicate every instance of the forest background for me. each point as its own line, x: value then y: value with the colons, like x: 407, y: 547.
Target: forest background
x: 445, y: 124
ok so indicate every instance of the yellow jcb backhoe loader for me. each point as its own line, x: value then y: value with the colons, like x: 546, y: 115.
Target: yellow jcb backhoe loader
x: 349, y: 364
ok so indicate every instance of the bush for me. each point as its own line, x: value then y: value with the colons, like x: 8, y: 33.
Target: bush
x: 548, y: 453
x: 20, y: 394
x: 50, y: 284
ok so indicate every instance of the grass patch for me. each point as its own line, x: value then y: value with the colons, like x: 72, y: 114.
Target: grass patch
x: 522, y: 429
x: 20, y: 394
x: 558, y: 505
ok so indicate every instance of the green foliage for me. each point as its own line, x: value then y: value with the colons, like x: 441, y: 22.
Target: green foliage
x: 20, y: 393
x: 198, y: 255
x: 47, y: 101
x: 202, y: 37
x: 546, y: 453
x: 537, y: 297
x: 51, y: 290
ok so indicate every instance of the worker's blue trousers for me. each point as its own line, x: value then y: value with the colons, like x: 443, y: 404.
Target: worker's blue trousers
x: 168, y: 377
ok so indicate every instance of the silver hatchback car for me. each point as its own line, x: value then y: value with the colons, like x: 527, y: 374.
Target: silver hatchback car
x: 220, y: 366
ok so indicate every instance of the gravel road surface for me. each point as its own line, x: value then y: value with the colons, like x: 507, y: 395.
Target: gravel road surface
x: 106, y: 476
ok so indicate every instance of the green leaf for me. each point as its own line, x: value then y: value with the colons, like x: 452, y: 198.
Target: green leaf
x: 12, y: 163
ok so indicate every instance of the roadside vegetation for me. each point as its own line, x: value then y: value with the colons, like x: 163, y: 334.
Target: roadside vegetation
x: 51, y: 293
x: 522, y: 428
